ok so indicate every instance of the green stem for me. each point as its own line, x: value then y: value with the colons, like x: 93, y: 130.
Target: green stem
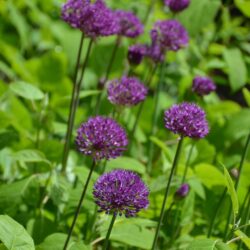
x: 111, y: 61
x: 109, y: 232
x: 77, y: 212
x: 175, y: 162
x: 216, y: 213
x: 154, y: 120
x: 142, y: 104
x: 187, y: 163
x: 229, y: 218
x: 74, y: 103
x: 149, y: 10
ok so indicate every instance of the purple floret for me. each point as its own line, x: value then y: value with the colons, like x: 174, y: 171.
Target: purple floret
x: 121, y: 192
x: 128, y: 91
x: 136, y: 53
x: 186, y: 119
x: 182, y: 191
x: 101, y: 138
x: 93, y: 19
x: 129, y: 24
x: 177, y: 5
x: 203, y: 85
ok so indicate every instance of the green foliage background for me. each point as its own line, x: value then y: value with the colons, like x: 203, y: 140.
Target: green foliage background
x: 37, y: 59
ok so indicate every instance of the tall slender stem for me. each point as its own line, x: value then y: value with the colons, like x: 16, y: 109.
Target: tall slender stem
x: 154, y: 120
x: 175, y: 162
x: 74, y: 103
x: 79, y: 206
x: 187, y: 163
x: 111, y: 61
x: 215, y: 213
x: 229, y: 218
x: 149, y: 10
x: 142, y: 104
x: 109, y: 232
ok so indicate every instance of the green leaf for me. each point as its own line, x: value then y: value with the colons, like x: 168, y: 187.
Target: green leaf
x: 13, y: 235
x: 27, y: 90
x: 209, y: 175
x: 244, y: 237
x: 199, y: 15
x: 126, y: 163
x: 162, y: 146
x: 236, y: 68
x: 246, y: 94
x: 56, y: 242
x: 207, y: 244
x: 243, y: 6
x: 231, y: 191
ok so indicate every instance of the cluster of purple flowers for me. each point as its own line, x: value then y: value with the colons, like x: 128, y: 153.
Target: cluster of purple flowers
x: 187, y: 119
x: 203, y: 85
x: 177, y: 5
x: 128, y: 91
x: 121, y: 192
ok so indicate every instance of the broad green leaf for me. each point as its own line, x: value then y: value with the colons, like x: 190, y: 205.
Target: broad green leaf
x: 126, y: 163
x: 199, y: 15
x: 236, y: 68
x: 231, y: 191
x: 209, y: 175
x: 246, y: 94
x: 56, y: 242
x: 207, y: 244
x: 13, y: 235
x: 244, y: 237
x: 243, y: 6
x: 26, y: 90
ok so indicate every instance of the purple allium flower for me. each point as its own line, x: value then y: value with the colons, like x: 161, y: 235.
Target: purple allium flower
x: 186, y: 119
x: 129, y: 24
x: 170, y: 35
x: 182, y: 191
x: 101, y: 138
x: 94, y: 19
x: 136, y: 53
x: 177, y: 5
x: 129, y: 91
x: 121, y: 192
x: 203, y: 85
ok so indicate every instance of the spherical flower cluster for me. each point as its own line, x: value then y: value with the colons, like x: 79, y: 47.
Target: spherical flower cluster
x: 121, y: 192
x: 129, y: 91
x: 94, y: 19
x: 177, y: 5
x: 203, y: 85
x: 136, y: 53
x: 101, y: 138
x: 182, y: 191
x: 186, y: 119
x: 170, y: 35
x: 129, y: 24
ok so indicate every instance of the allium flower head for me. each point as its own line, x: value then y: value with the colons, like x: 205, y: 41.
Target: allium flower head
x: 129, y: 24
x: 101, y: 138
x: 121, y: 192
x: 177, y: 5
x: 170, y: 35
x: 94, y: 19
x: 128, y: 91
x: 186, y: 119
x: 182, y: 191
x: 136, y: 53
x: 203, y: 85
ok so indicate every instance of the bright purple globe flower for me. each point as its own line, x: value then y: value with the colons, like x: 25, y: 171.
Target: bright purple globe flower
x: 203, y: 85
x: 94, y: 19
x: 186, y: 119
x: 182, y: 191
x: 177, y: 5
x: 101, y: 138
x: 129, y: 24
x: 136, y: 53
x: 121, y: 192
x: 129, y: 91
x: 170, y: 35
